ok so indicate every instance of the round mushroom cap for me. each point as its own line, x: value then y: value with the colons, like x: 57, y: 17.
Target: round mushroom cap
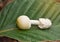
x: 44, y: 23
x: 23, y: 22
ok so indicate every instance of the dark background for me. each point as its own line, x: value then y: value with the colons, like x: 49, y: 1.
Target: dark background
x: 6, y: 39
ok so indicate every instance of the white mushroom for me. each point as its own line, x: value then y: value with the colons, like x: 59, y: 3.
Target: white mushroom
x: 24, y: 22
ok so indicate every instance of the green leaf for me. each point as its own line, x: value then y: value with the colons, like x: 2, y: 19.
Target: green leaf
x: 34, y: 9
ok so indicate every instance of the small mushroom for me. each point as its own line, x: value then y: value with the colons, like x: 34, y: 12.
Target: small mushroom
x: 23, y: 22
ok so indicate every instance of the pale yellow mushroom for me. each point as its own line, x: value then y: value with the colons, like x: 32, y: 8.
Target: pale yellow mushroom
x: 23, y: 22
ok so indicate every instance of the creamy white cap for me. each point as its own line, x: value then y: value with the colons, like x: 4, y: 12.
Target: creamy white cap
x: 23, y: 22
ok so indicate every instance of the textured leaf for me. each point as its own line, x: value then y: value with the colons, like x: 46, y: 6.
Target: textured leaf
x: 34, y: 9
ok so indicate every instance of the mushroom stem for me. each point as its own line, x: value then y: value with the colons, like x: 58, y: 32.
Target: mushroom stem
x: 34, y: 22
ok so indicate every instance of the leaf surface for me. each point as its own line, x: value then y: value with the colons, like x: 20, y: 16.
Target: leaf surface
x: 34, y: 9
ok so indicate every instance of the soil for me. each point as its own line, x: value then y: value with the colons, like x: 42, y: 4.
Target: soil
x: 3, y: 3
x: 6, y: 39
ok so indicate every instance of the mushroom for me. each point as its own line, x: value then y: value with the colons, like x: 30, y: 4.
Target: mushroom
x: 24, y: 22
